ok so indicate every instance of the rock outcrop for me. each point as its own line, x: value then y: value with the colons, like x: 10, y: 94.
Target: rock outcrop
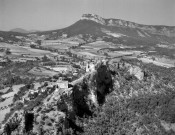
x: 146, y: 29
x: 137, y: 72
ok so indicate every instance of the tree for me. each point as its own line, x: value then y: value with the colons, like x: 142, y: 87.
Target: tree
x: 45, y: 58
x: 106, y: 54
x: 7, y: 52
x: 32, y: 46
x: 38, y: 42
x: 15, y: 98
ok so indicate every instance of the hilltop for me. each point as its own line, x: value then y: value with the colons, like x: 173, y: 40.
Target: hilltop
x: 116, y: 30
x: 19, y: 30
x: 153, y: 29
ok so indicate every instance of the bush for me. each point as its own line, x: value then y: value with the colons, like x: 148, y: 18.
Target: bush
x: 22, y: 92
x: 19, y: 105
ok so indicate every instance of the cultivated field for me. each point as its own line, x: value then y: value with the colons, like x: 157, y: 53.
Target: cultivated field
x: 19, y: 50
x: 98, y: 45
x: 4, y: 106
x: 39, y: 71
x: 158, y: 63
x: 3, y: 112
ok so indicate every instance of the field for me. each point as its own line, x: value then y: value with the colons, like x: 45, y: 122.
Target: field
x: 158, y: 63
x: 4, y: 90
x: 87, y: 53
x: 42, y: 72
x: 19, y: 50
x: 119, y: 53
x: 59, y: 69
x: 5, y: 111
x: 59, y: 44
x: 98, y: 45
x: 15, y: 90
x: 165, y: 60
x: 14, y: 49
x: 8, y: 101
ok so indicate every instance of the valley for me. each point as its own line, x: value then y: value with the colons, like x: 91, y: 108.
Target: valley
x: 97, y: 76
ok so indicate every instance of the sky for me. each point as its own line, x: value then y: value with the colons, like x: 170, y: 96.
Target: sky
x: 56, y: 14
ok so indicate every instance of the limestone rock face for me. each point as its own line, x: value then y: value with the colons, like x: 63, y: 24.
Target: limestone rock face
x: 132, y: 69
x: 137, y: 72
x: 94, y: 17
x: 148, y: 29
x: 92, y: 89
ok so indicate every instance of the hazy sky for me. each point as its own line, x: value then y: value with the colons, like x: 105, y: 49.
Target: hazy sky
x: 55, y: 14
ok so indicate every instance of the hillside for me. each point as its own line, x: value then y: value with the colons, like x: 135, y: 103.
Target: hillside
x: 7, y: 36
x: 19, y: 30
x: 129, y: 98
x: 115, y: 30
x: 153, y: 29
x: 118, y: 31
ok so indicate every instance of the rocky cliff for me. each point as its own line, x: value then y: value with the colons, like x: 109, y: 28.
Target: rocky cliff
x: 158, y: 30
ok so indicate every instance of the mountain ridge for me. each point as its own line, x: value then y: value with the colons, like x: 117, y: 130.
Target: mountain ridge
x: 20, y: 30
x: 154, y: 29
x: 85, y: 16
x: 114, y: 30
x: 115, y: 34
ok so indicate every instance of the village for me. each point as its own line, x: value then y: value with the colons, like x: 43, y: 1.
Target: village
x: 53, y: 66
x: 61, y: 66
